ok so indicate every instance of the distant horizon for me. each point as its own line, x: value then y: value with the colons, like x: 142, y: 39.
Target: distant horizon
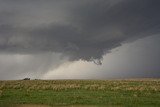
x: 128, y: 78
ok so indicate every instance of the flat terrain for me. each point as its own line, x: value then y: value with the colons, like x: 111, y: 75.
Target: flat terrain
x: 110, y: 93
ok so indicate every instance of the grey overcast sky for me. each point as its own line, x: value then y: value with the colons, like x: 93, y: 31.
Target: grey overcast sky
x: 79, y: 39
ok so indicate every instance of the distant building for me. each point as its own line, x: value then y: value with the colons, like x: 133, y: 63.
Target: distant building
x: 26, y: 79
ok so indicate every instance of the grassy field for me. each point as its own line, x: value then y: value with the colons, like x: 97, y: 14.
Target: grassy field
x: 118, y: 93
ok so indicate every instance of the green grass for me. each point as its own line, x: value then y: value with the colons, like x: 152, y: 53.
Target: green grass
x: 125, y: 93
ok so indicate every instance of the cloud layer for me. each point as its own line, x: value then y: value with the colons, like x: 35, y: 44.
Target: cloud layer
x: 77, y: 29
x: 59, y: 38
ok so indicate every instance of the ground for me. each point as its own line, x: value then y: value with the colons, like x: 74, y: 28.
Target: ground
x: 115, y: 93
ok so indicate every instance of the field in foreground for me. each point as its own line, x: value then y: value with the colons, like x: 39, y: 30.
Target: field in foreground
x: 112, y: 93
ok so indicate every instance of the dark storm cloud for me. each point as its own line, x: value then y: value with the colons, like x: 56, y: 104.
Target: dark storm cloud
x: 84, y: 29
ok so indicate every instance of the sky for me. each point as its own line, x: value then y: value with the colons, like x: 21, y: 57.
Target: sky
x: 79, y: 39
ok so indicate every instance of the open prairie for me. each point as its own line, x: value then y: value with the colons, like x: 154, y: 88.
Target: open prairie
x: 110, y: 93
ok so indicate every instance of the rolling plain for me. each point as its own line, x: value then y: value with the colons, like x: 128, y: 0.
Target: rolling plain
x: 81, y: 93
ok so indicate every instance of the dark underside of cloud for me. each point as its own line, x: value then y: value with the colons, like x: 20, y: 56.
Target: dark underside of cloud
x: 85, y: 29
